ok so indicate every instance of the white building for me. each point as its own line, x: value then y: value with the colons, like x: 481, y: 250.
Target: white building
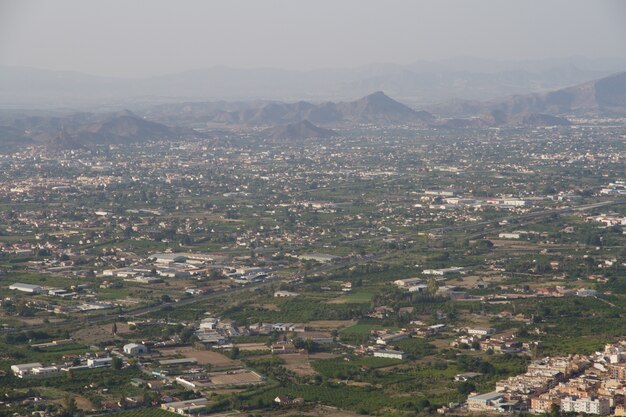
x: 509, y: 236
x: 186, y: 407
x: 514, y: 202
x: 285, y: 294
x: 485, y: 402
x: 590, y: 405
x: 391, y: 354
x: 33, y: 369
x: 586, y: 292
x: 166, y: 258
x: 29, y: 288
x: 445, y: 271
x: 208, y: 323
x: 418, y: 288
x: 318, y: 257
x: 45, y: 370
x: 481, y: 331
x: 99, y: 362
x: 135, y: 349
x: 25, y: 369
x: 407, y: 282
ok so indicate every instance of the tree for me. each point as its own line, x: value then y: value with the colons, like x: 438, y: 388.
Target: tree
x: 114, y: 328
x: 234, y: 353
x: 433, y: 287
x: 466, y: 387
x: 555, y: 411
x: 117, y: 362
x: 69, y: 406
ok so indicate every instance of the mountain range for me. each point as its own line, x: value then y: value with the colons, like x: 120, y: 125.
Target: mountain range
x: 300, y: 120
x: 84, y: 129
x: 605, y: 96
x: 419, y: 83
x: 373, y: 108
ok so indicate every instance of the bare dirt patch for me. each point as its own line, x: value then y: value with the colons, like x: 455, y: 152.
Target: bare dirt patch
x: 102, y: 333
x: 330, y: 324
x: 317, y: 411
x: 204, y: 357
x: 81, y: 402
x: 238, y: 378
x: 298, y: 363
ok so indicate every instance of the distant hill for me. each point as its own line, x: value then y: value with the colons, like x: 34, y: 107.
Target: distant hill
x: 606, y: 96
x: 83, y: 129
x: 299, y: 130
x: 378, y: 107
x: 374, y: 108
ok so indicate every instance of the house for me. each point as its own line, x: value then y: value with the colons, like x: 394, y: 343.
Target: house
x: 280, y: 400
x: 282, y: 348
x: 283, y: 327
x: 135, y: 349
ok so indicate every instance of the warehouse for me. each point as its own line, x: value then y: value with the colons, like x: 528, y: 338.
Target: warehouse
x: 29, y: 288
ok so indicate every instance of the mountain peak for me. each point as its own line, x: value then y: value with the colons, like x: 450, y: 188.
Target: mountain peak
x: 378, y: 107
x: 378, y: 95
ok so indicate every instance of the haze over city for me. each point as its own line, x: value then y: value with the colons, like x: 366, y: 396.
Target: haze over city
x: 147, y: 38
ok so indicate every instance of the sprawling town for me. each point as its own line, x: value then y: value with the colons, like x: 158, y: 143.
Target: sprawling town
x: 388, y: 272
x: 321, y: 208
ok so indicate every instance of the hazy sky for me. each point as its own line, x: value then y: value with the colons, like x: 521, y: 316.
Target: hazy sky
x: 139, y: 38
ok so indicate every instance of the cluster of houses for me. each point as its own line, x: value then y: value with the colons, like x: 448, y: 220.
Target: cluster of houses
x: 484, y: 338
x: 89, y: 360
x: 594, y: 384
x: 616, y: 188
x: 216, y: 332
